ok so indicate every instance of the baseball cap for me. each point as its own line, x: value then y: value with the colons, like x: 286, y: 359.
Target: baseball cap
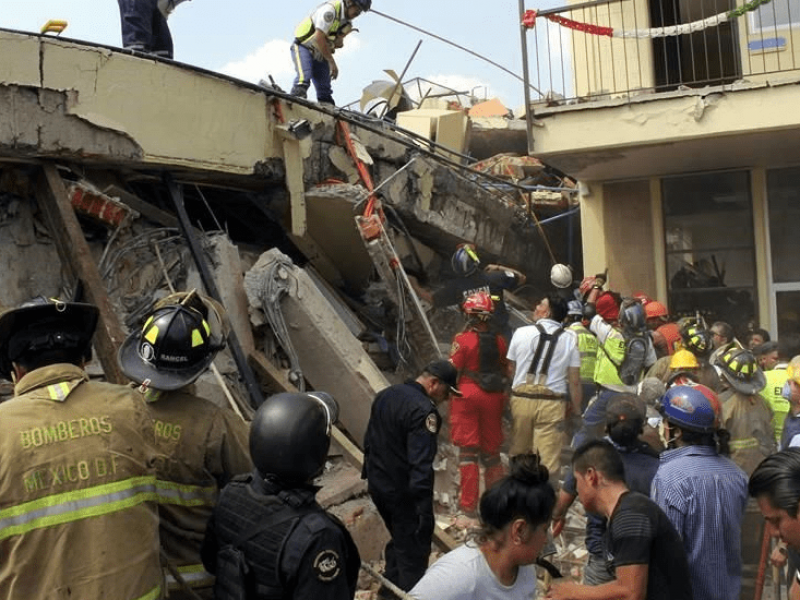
x: 444, y: 370
x: 575, y: 308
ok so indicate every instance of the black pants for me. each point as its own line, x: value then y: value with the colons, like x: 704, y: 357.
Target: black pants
x: 407, y: 553
x: 144, y: 28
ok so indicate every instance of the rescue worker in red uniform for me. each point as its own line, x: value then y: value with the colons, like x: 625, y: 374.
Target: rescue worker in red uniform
x: 202, y: 446
x: 476, y: 417
x: 77, y: 486
x: 268, y: 539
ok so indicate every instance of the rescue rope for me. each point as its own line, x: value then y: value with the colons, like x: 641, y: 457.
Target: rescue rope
x: 529, y: 21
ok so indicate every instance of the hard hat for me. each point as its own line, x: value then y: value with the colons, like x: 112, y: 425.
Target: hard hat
x: 740, y: 369
x: 173, y: 348
x: 575, y: 308
x: 655, y: 309
x: 625, y: 407
x: 465, y: 260
x: 290, y: 435
x: 690, y: 407
x: 683, y: 359
x: 364, y: 5
x: 607, y: 306
x: 631, y: 315
x: 46, y: 324
x: 561, y: 275
x: 793, y: 370
x: 698, y: 341
x: 479, y: 304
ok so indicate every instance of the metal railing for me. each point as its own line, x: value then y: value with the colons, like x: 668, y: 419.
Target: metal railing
x: 612, y: 49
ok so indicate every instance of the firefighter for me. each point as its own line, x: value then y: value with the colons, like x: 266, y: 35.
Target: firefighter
x: 746, y: 415
x: 76, y: 486
x: 268, y: 537
x: 201, y: 446
x: 144, y: 26
x: 476, y: 417
x: 314, y: 42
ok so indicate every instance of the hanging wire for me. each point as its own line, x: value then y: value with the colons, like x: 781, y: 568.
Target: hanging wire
x: 446, y: 41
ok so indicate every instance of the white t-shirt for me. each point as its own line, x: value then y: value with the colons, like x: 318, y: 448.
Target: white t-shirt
x: 463, y: 574
x: 523, y: 346
x: 324, y: 16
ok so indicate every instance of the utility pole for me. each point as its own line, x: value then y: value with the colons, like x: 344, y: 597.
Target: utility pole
x: 525, y: 78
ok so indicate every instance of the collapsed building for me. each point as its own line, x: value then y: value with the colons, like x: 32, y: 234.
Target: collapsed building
x: 123, y: 176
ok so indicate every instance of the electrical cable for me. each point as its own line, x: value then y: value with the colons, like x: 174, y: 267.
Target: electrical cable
x: 446, y: 41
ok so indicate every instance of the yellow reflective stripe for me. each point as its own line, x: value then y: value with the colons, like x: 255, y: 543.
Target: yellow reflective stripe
x: 743, y: 444
x: 59, y: 391
x: 151, y: 335
x: 153, y: 594
x: 207, y: 327
x: 183, y: 494
x: 193, y: 575
x: 76, y: 505
x: 197, y: 338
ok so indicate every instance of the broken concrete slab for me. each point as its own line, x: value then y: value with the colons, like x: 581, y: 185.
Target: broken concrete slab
x: 330, y: 357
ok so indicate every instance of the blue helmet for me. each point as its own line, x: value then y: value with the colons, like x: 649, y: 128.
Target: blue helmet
x: 632, y: 316
x: 690, y: 407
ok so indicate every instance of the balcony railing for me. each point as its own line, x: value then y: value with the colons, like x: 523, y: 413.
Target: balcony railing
x: 621, y: 48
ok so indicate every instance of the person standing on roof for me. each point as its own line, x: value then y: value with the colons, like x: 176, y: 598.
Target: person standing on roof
x: 268, y: 537
x: 315, y: 40
x: 702, y: 492
x: 201, y: 446
x: 471, y: 278
x: 476, y: 418
x: 399, y: 447
x: 547, y: 383
x: 76, y: 477
x: 144, y: 26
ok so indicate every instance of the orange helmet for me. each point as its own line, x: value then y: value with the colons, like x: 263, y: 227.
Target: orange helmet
x: 654, y: 309
x: 479, y: 304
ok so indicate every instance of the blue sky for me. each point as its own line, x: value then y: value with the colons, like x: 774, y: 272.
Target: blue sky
x: 250, y: 38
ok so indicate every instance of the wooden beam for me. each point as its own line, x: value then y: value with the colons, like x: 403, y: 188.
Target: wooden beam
x: 155, y: 214
x: 81, y: 267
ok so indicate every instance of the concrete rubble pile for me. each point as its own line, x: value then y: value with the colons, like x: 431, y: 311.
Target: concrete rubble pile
x: 117, y: 207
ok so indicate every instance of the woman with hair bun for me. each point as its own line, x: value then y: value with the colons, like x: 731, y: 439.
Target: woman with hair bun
x: 497, y: 560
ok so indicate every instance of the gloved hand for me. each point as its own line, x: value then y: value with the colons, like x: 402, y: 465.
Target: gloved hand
x: 425, y: 525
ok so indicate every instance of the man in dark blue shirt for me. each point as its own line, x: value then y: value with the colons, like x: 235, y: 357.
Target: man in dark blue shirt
x: 399, y: 448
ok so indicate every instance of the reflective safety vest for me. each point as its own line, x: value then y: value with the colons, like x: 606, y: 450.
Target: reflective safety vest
x: 201, y: 448
x: 306, y: 29
x: 776, y: 379
x: 606, y: 372
x: 587, y: 346
x: 78, y: 490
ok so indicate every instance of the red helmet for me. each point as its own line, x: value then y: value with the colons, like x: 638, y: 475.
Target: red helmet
x: 478, y: 304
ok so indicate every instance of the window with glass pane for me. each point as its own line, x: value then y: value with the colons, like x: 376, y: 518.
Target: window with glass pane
x: 777, y: 13
x: 709, y: 246
x: 783, y: 197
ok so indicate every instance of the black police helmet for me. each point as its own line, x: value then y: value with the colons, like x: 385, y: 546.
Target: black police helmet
x: 44, y: 325
x: 175, y: 345
x: 290, y: 435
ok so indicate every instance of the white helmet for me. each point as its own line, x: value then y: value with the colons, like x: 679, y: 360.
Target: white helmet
x: 561, y: 275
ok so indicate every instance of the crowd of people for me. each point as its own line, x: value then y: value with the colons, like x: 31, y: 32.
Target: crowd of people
x: 147, y: 490
x: 667, y: 421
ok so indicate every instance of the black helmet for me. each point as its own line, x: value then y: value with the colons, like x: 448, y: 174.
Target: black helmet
x: 740, y: 369
x: 290, y: 435
x: 175, y: 345
x: 46, y: 324
x: 364, y: 5
x: 698, y: 341
x: 465, y: 261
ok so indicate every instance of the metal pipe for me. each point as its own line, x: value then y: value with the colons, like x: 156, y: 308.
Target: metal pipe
x: 525, y: 77
x: 399, y: 80
x: 176, y: 192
